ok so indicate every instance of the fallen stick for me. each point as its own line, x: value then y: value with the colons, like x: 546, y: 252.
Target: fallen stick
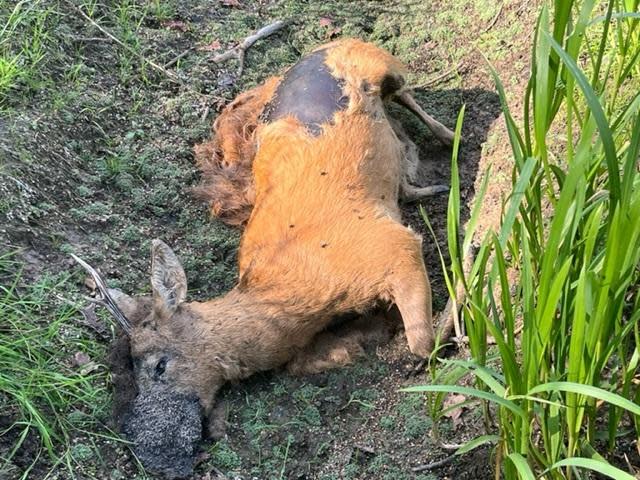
x: 447, y: 73
x: 178, y: 57
x: 450, y: 316
x: 239, y: 50
x: 494, y: 19
x: 432, y: 465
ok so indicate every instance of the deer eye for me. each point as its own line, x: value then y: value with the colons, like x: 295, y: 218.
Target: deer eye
x: 161, y: 366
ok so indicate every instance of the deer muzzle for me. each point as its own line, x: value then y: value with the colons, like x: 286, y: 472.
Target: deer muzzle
x: 165, y: 428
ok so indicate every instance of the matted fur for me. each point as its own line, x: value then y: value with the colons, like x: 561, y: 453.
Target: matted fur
x: 225, y: 161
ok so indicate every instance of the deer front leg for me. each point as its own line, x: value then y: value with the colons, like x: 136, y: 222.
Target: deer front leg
x: 411, y: 292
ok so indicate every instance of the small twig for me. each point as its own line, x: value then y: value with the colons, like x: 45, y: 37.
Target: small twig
x: 205, y: 113
x: 632, y: 469
x: 219, y: 474
x: 432, y: 465
x: 450, y: 446
x: 446, y: 74
x: 239, y: 50
x: 494, y: 20
x: 450, y: 71
x: 364, y: 448
x: 170, y: 75
x: 91, y: 39
x: 498, y: 467
x: 177, y: 58
x: 128, y: 48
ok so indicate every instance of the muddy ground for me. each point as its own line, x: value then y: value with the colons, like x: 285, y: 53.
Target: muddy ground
x: 97, y: 160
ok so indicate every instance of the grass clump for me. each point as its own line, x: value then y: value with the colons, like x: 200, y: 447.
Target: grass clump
x: 24, y: 27
x: 563, y: 266
x: 46, y: 399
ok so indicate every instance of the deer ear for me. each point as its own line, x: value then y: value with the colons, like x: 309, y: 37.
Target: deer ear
x: 168, y: 280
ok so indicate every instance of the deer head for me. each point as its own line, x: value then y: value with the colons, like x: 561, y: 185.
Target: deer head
x: 175, y: 384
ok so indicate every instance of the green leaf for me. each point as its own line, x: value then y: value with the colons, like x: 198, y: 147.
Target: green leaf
x: 524, y: 470
x: 476, y: 442
x: 595, y: 465
x: 516, y: 197
x: 600, y: 118
x: 590, y: 391
x: 615, y: 16
x: 472, y: 392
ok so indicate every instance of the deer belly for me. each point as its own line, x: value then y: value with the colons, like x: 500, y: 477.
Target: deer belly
x: 309, y: 93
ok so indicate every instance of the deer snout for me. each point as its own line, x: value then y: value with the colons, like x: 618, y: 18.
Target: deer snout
x: 165, y: 428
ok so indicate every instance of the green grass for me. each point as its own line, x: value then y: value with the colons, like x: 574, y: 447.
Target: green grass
x: 564, y: 262
x: 46, y: 399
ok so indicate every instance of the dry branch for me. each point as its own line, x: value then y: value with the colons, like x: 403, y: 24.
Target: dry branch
x: 239, y: 50
x: 446, y: 74
x: 178, y: 57
x: 432, y: 465
x: 494, y: 19
x: 450, y: 316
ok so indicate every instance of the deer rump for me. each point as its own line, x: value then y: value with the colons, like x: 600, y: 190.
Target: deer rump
x: 311, y: 92
x: 314, y: 168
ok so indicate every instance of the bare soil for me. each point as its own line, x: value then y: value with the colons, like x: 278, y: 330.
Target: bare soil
x: 100, y: 162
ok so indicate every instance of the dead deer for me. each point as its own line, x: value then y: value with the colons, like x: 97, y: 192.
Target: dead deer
x: 314, y: 166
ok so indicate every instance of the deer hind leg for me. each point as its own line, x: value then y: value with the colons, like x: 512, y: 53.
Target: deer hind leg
x: 409, y: 192
x: 441, y: 132
x: 226, y: 160
x: 344, y: 344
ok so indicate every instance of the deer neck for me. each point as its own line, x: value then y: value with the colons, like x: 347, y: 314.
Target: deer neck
x: 248, y: 331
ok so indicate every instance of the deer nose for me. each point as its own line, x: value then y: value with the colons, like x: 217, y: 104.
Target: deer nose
x: 165, y: 428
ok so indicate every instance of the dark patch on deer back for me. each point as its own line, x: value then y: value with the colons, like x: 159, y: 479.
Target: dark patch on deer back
x: 309, y: 92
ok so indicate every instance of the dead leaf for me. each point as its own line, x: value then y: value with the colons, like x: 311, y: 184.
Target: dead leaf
x: 231, y: 3
x: 325, y: 22
x: 334, y: 32
x: 91, y: 321
x: 210, y: 47
x: 454, y: 414
x: 331, y: 30
x: 88, y: 368
x: 80, y: 359
x: 176, y: 25
x: 90, y: 283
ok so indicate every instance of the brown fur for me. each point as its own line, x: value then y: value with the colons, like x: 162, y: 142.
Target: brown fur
x: 323, y: 239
